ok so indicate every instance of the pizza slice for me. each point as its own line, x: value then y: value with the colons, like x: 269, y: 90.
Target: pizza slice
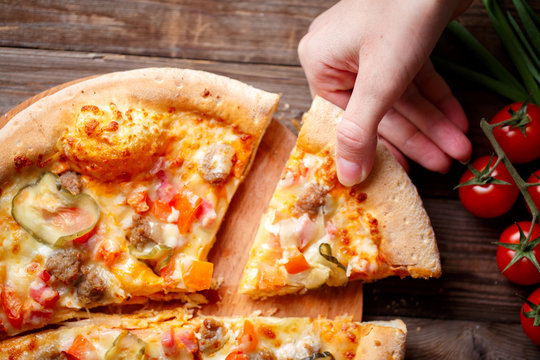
x: 317, y: 231
x: 112, y: 190
x: 168, y: 336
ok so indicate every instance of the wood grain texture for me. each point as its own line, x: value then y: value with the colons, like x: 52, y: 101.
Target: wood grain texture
x: 429, y: 339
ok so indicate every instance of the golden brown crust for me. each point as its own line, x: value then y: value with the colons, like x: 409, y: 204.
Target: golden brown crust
x: 408, y: 241
x: 33, y: 132
x: 343, y: 337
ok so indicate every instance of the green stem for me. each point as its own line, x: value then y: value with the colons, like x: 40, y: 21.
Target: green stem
x: 488, y: 60
x: 522, y: 185
x: 512, y: 45
x: 528, y: 24
x: 498, y: 86
x: 524, y: 40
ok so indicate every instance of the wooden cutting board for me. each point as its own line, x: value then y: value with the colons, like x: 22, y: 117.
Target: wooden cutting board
x: 230, y: 253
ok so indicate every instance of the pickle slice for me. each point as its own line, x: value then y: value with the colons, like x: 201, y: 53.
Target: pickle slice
x: 51, y: 214
x: 158, y: 256
x: 338, y: 276
x: 126, y: 347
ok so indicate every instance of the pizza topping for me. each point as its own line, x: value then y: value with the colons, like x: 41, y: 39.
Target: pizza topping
x: 299, y: 349
x: 139, y: 234
x: 173, y: 340
x: 43, y: 293
x: 71, y: 181
x: 197, y: 274
x: 263, y: 354
x: 82, y: 349
x: 138, y: 200
x: 312, y: 198
x: 295, y: 261
x: 91, y: 287
x: 325, y: 355
x: 52, y: 214
x: 126, y: 347
x: 64, y: 265
x: 157, y: 257
x: 338, y: 276
x: 212, y: 336
x: 217, y: 163
x: 13, y: 306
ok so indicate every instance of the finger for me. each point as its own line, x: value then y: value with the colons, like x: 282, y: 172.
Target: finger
x: 407, y: 138
x: 396, y: 153
x: 379, y: 83
x: 433, y: 87
x: 430, y: 121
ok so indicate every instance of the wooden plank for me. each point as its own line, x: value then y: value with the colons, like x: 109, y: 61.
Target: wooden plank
x: 241, y: 31
x: 451, y: 340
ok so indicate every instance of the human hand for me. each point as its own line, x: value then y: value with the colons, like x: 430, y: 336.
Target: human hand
x: 371, y: 58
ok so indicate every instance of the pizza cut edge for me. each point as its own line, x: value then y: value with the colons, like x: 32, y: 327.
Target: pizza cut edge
x: 408, y: 240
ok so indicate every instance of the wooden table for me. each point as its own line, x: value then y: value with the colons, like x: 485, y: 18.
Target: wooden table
x: 471, y: 312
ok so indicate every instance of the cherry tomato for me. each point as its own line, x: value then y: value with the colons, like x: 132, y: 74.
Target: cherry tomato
x: 534, y: 191
x: 533, y: 332
x: 490, y: 200
x: 523, y: 272
x: 520, y: 149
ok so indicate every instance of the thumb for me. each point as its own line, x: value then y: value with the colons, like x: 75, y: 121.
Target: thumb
x: 372, y: 96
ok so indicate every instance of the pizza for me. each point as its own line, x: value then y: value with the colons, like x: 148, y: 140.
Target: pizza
x: 112, y: 190
x: 176, y: 336
x: 318, y: 232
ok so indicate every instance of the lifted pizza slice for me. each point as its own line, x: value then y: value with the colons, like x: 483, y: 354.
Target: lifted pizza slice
x: 113, y: 189
x: 317, y: 231
x: 167, y: 336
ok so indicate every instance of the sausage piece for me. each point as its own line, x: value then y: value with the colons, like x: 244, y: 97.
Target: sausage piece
x: 64, y: 264
x: 212, y: 336
x: 92, y: 287
x: 139, y: 234
x: 217, y: 163
x: 71, y: 181
x: 313, y: 197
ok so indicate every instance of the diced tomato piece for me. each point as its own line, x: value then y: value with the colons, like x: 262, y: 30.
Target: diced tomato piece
x: 138, y: 200
x: 82, y: 349
x: 161, y: 210
x: 296, y: 261
x: 175, y: 339
x: 43, y: 293
x: 187, y: 203
x: 45, y: 276
x: 248, y: 339
x: 237, y: 355
x: 271, y: 278
x: 82, y: 239
x: 108, y: 251
x: 12, y: 305
x: 206, y: 214
x: 197, y: 274
x: 166, y: 191
x: 35, y: 315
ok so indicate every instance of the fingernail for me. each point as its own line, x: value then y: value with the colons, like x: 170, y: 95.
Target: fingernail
x: 349, y: 173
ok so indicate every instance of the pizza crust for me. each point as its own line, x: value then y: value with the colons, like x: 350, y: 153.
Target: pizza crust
x: 32, y: 134
x: 408, y: 240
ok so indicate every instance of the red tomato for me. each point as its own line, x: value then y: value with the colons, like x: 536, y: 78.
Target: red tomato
x: 237, y: 355
x: 523, y: 272
x: 43, y: 294
x: 520, y: 149
x: 534, y: 191
x: 527, y: 323
x: 12, y: 305
x: 82, y: 349
x: 490, y: 200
